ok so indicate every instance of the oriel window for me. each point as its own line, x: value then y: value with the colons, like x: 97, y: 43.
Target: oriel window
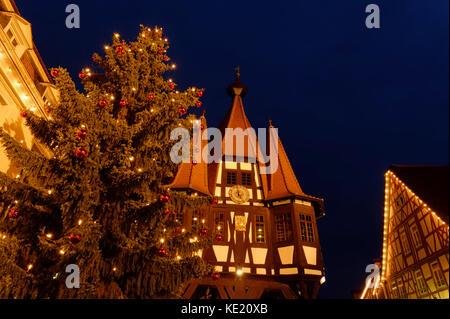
x: 306, y: 228
x: 283, y: 223
x: 260, y: 231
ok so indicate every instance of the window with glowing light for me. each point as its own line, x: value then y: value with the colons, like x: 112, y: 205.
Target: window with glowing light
x: 421, y: 285
x: 438, y: 275
x: 260, y: 231
x: 220, y: 223
x: 197, y: 217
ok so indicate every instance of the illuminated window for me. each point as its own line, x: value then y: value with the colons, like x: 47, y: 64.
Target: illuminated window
x: 422, y: 288
x: 416, y: 236
x: 438, y: 276
x: 220, y: 223
x: 405, y: 243
x: 246, y: 179
x: 231, y: 178
x: 283, y: 225
x: 306, y: 228
x: 197, y: 217
x: 260, y: 232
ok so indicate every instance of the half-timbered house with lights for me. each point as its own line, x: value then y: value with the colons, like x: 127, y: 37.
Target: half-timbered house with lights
x: 268, y: 242
x: 25, y: 85
x: 415, y: 252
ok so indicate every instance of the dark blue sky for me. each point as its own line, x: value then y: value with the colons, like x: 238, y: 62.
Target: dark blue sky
x: 348, y: 101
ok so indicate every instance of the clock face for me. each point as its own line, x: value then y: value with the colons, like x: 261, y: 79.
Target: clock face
x: 239, y: 194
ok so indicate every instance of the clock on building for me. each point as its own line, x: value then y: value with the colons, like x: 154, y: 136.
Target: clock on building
x: 239, y: 194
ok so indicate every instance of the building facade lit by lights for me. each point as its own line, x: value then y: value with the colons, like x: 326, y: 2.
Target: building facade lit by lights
x: 268, y: 244
x: 25, y: 85
x: 415, y: 252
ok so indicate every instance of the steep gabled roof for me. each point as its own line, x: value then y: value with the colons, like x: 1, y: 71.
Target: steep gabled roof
x: 193, y: 176
x: 429, y: 183
x: 283, y: 182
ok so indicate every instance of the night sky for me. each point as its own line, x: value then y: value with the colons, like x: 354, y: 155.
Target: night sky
x: 348, y: 101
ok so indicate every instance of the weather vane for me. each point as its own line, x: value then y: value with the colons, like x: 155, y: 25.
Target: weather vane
x: 238, y: 72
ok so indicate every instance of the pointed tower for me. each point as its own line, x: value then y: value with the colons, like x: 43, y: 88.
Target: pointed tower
x: 193, y: 176
x: 266, y: 242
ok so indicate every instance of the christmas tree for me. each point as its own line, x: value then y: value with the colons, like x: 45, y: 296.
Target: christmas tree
x: 99, y: 201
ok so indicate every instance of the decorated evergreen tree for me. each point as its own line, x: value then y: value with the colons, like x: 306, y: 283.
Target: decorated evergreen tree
x: 99, y: 201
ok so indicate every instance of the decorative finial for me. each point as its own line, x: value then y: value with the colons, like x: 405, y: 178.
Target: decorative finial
x: 270, y: 122
x: 238, y: 72
x: 204, y: 112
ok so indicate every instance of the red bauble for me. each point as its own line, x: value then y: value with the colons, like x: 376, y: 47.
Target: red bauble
x: 13, y: 214
x: 166, y: 58
x: 23, y: 114
x: 151, y: 97
x: 160, y: 52
x: 168, y: 212
x: 172, y: 85
x: 198, y: 104
x: 215, y: 276
x: 199, y: 93
x: 194, y: 162
x: 94, y: 58
x: 119, y: 48
x: 54, y: 73
x: 219, y: 237
x: 74, y: 238
x: 123, y: 103
x: 177, y: 230
x: 81, y: 153
x: 214, y: 201
x: 102, y: 103
x: 164, y: 198
x: 81, y: 135
x: 182, y: 110
x: 81, y: 75
x: 162, y: 252
x: 203, y: 231
x: 48, y: 110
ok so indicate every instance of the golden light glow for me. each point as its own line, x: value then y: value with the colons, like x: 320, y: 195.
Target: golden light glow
x: 161, y: 240
x: 80, y: 222
x: 30, y: 266
x: 62, y: 252
x: 49, y: 236
x: 239, y: 272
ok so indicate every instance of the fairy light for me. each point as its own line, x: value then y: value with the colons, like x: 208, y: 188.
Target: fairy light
x: 178, y: 257
x: 80, y: 222
x: 106, y: 47
x: 49, y: 236
x: 30, y: 266
x: 114, y: 269
x: 49, y: 191
x: 161, y: 240
x: 239, y: 272
x: 131, y: 158
x: 62, y: 252
x: 17, y: 176
x: 140, y: 170
x: 116, y: 35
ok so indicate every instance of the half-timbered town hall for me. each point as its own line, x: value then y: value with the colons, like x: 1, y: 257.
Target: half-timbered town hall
x: 268, y: 243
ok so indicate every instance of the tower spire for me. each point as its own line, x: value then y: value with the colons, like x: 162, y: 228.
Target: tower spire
x: 237, y: 88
